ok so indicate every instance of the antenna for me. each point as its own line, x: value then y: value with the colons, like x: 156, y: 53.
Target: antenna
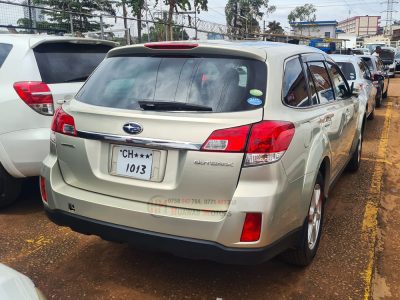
x: 389, y: 15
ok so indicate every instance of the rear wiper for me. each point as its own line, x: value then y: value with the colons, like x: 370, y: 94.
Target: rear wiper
x: 172, y: 106
x: 77, y: 79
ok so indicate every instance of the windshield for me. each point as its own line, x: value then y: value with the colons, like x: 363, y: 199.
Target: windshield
x: 217, y: 84
x: 68, y: 62
x: 348, y: 70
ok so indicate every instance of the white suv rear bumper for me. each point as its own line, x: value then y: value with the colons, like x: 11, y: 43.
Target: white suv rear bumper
x: 22, y: 152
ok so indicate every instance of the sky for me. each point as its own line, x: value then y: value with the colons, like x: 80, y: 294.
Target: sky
x: 326, y: 10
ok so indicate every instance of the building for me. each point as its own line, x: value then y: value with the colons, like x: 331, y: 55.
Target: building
x: 320, y: 29
x: 35, y: 14
x: 361, y: 25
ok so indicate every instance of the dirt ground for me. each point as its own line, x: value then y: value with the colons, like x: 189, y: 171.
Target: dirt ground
x: 358, y: 256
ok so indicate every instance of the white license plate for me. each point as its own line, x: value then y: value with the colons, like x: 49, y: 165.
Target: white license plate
x: 134, y: 162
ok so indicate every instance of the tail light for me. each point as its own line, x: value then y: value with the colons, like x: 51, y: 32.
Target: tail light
x: 63, y: 123
x: 36, y: 95
x: 43, y: 189
x: 251, y: 228
x: 228, y: 140
x: 263, y: 142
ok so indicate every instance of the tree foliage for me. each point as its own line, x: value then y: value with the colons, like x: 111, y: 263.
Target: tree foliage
x: 183, y: 5
x: 242, y: 16
x: 82, y: 18
x: 305, y: 13
x: 275, y: 27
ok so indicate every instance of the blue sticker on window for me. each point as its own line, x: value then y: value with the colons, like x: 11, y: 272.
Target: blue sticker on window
x: 254, y: 101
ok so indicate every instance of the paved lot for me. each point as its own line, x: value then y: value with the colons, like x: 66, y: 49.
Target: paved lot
x: 358, y: 256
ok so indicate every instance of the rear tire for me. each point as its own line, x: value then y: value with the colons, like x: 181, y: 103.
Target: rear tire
x: 304, y: 254
x: 10, y: 188
x: 379, y: 97
x: 355, y: 161
x: 372, y: 114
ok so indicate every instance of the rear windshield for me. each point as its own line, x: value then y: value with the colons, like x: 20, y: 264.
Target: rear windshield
x: 387, y: 56
x: 68, y: 62
x: 4, y: 51
x: 348, y: 70
x: 221, y: 84
x: 369, y: 63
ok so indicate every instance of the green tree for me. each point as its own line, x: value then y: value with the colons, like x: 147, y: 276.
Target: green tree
x: 184, y: 5
x: 242, y: 16
x: 275, y: 27
x: 305, y: 13
x: 136, y: 7
x: 82, y: 19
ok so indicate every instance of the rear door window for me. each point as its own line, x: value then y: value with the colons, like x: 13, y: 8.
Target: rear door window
x: 220, y: 84
x: 322, y: 82
x: 5, y: 49
x: 68, y: 62
x: 295, y: 91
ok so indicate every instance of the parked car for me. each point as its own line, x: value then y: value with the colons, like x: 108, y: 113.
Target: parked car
x: 190, y: 148
x: 358, y: 74
x: 361, y: 51
x: 15, y: 286
x: 388, y: 58
x: 379, y: 73
x: 37, y: 74
x: 397, y: 60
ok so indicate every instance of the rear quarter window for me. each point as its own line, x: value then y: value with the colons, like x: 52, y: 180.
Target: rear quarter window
x: 68, y: 62
x: 295, y: 92
x: 5, y: 50
x: 348, y: 70
x: 222, y: 84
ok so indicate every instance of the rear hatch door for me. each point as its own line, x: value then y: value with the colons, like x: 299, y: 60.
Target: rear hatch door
x: 142, y: 119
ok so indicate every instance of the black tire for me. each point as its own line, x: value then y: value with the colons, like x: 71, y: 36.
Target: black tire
x: 303, y: 255
x: 379, y: 97
x: 385, y: 94
x: 10, y: 188
x: 372, y: 114
x: 355, y: 161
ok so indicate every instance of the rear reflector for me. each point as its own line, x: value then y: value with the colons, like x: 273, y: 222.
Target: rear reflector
x: 63, y: 123
x: 251, y: 227
x: 43, y: 189
x: 227, y: 140
x: 171, y: 46
x: 37, y: 95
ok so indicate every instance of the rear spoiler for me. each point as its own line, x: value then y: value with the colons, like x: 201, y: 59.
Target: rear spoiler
x: 33, y: 43
x: 223, y: 49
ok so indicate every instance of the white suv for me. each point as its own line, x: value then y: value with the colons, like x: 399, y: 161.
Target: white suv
x: 37, y: 73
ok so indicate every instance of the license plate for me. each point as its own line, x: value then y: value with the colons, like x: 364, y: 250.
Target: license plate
x: 134, y: 162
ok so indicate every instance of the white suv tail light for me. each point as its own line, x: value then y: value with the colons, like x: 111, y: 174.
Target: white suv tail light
x: 264, y: 142
x: 63, y: 123
x: 36, y: 95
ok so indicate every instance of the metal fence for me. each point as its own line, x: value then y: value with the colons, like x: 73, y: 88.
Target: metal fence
x: 21, y: 17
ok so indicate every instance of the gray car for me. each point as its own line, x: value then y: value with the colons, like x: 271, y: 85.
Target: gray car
x: 218, y: 150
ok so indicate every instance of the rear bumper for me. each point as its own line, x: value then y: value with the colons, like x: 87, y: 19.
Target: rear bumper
x: 180, y: 246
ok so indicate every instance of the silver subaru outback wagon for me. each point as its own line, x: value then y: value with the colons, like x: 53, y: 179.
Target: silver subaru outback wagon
x: 222, y: 151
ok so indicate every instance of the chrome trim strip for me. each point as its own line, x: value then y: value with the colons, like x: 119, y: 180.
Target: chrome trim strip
x: 143, y: 142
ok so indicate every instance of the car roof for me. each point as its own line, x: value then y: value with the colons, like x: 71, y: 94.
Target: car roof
x: 346, y: 58
x: 256, y: 49
x: 33, y: 40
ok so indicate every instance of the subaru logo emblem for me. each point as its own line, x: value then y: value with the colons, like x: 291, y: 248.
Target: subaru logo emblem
x: 132, y: 128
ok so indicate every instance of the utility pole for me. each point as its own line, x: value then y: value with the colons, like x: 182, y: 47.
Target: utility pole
x: 389, y: 15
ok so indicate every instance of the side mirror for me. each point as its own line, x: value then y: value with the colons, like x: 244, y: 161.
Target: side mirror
x: 378, y: 77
